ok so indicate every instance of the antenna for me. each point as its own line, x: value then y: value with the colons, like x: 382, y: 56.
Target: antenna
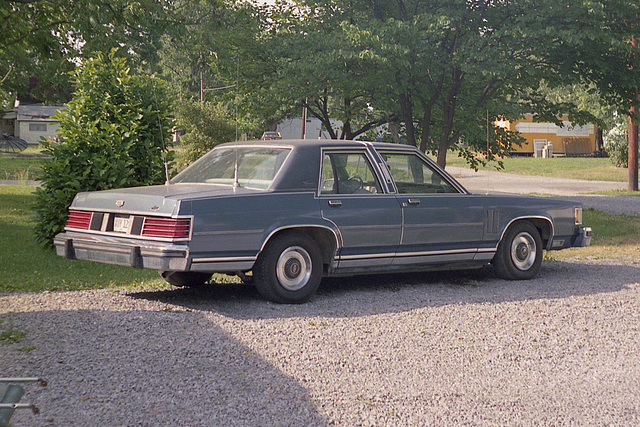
x: 237, y: 88
x: 236, y: 184
x: 164, y: 147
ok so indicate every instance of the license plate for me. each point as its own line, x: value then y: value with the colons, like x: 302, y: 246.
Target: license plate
x: 121, y: 224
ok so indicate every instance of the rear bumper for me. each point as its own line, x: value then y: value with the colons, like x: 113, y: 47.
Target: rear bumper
x: 127, y: 252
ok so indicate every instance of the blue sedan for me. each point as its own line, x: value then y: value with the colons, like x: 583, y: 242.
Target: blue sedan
x: 293, y: 212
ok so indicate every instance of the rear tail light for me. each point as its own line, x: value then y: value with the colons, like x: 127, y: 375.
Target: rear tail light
x: 166, y: 228
x: 79, y: 220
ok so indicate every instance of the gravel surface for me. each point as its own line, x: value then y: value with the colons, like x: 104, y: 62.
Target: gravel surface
x: 421, y: 349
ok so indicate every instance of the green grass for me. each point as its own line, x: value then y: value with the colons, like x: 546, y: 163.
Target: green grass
x: 26, y: 267
x: 619, y: 193
x: 589, y: 168
x: 20, y: 168
x: 614, y: 237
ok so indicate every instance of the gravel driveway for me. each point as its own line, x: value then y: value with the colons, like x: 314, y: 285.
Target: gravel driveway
x: 425, y: 349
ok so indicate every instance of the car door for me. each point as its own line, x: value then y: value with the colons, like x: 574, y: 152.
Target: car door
x: 441, y: 222
x: 367, y: 217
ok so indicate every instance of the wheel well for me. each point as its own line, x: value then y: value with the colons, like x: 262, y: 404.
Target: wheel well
x: 324, y: 237
x: 542, y: 225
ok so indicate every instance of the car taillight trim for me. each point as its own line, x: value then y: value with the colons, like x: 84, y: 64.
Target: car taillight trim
x: 79, y: 220
x: 141, y: 226
x: 166, y: 228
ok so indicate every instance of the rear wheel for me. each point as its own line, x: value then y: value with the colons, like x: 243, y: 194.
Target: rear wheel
x: 185, y: 278
x: 519, y: 254
x: 289, y: 269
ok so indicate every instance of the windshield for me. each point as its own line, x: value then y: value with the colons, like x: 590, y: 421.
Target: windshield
x: 253, y: 167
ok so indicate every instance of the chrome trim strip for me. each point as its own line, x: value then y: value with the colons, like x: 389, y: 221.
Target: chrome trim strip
x: 217, y: 233
x: 434, y: 253
x: 414, y: 254
x: 293, y: 227
x: 550, y: 221
x: 223, y: 259
x: 368, y: 256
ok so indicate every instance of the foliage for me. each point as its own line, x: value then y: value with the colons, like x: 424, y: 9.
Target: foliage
x: 446, y: 69
x: 113, y: 134
x: 41, y: 40
x: 206, y: 125
x: 214, y: 56
x: 617, y: 145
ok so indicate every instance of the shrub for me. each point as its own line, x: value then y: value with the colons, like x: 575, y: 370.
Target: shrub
x: 205, y: 125
x: 113, y: 135
x: 616, y: 143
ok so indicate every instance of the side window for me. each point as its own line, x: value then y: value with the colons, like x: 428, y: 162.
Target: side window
x: 348, y: 173
x: 414, y: 176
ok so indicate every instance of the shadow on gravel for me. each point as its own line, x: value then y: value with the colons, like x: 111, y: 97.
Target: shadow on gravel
x: 148, y: 368
x: 394, y: 293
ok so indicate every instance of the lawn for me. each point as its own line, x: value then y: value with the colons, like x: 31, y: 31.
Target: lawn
x: 589, y: 168
x: 26, y: 267
x: 615, y: 237
x: 20, y: 168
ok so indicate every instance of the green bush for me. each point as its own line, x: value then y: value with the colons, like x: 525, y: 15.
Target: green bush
x: 616, y: 143
x: 205, y: 125
x: 113, y: 135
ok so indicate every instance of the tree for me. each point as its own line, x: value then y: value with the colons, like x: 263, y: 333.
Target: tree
x: 206, y: 125
x: 318, y: 65
x: 42, y: 40
x: 448, y: 68
x: 114, y: 134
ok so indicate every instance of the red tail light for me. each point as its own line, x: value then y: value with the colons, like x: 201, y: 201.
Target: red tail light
x: 166, y: 228
x: 79, y: 219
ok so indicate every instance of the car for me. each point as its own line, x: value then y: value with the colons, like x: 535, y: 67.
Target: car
x: 271, y: 135
x: 287, y: 213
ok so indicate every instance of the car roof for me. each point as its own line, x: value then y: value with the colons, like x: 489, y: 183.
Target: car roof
x: 318, y: 143
x: 300, y: 171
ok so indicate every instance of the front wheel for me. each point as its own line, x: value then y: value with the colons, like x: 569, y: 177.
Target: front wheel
x: 289, y: 269
x: 519, y: 253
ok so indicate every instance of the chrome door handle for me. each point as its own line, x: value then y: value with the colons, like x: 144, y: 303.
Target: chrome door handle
x: 413, y: 201
x: 335, y: 203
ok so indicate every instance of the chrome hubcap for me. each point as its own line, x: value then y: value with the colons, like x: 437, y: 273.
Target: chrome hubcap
x: 523, y: 251
x: 293, y: 269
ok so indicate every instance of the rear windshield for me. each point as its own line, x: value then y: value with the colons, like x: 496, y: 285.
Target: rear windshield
x: 251, y: 167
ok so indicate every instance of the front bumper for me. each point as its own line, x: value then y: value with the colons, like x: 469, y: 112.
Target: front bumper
x: 123, y: 251
x: 584, y: 237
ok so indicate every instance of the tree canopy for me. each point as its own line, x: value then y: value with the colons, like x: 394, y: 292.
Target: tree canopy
x: 447, y: 69
x: 440, y: 71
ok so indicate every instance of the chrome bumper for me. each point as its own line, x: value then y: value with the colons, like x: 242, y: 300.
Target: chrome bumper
x: 584, y: 237
x: 132, y: 253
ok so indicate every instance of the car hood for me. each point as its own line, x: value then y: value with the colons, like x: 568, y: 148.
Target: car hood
x: 156, y: 199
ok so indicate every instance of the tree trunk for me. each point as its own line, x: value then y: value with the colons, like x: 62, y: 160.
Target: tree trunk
x: 407, y: 117
x: 633, y: 135
x: 426, y: 125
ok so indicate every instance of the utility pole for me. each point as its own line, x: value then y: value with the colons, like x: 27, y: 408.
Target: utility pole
x: 633, y: 149
x: 303, y: 129
x: 633, y: 133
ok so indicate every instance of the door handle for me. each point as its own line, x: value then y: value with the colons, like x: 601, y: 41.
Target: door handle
x: 335, y: 203
x: 413, y: 201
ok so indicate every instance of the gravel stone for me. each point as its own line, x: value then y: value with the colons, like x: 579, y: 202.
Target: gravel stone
x: 411, y: 349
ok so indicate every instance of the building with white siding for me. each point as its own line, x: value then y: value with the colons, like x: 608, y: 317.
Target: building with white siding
x: 36, y: 122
